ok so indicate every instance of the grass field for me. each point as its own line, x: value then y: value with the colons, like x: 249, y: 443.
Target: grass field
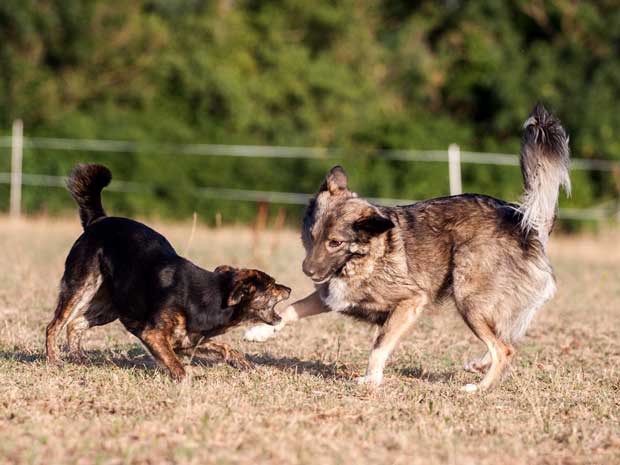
x: 559, y: 405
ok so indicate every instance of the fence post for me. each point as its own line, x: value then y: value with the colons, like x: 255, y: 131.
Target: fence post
x: 17, y: 145
x: 454, y: 159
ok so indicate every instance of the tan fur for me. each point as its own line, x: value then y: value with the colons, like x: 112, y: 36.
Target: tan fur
x: 484, y: 256
x: 68, y: 311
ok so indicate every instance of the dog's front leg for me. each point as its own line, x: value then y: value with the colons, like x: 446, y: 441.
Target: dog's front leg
x: 231, y: 356
x: 158, y: 344
x: 398, y: 323
x: 308, y: 306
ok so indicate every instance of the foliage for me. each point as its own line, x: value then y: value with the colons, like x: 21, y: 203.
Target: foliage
x: 355, y: 75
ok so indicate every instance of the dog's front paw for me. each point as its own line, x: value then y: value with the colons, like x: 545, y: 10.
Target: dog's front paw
x: 370, y: 380
x: 259, y: 333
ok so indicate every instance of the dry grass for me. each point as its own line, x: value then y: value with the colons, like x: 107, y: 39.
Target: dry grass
x: 561, y: 403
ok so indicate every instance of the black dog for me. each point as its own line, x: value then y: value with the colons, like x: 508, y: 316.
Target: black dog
x: 121, y: 269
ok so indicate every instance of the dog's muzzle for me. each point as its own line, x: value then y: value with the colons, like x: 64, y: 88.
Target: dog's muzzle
x: 273, y: 319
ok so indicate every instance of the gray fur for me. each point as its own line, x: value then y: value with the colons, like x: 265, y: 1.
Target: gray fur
x: 483, y: 255
x: 545, y: 158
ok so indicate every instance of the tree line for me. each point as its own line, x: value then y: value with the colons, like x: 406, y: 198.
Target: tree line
x: 360, y: 75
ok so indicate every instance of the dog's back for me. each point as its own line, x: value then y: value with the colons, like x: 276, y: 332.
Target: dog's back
x: 125, y: 255
x: 472, y: 249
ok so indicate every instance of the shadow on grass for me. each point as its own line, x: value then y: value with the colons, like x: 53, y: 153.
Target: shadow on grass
x: 138, y: 358
x: 92, y: 357
x: 21, y: 356
x: 295, y: 365
x: 130, y: 359
x: 423, y: 375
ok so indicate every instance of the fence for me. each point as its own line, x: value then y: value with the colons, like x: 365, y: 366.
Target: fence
x: 453, y: 156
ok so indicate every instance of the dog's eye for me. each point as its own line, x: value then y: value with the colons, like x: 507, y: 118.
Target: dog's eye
x: 334, y: 244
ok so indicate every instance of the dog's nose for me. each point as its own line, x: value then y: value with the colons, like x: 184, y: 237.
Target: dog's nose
x: 308, y: 269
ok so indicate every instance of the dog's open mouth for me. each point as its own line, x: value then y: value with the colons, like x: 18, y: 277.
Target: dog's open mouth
x: 270, y: 317
x: 274, y: 320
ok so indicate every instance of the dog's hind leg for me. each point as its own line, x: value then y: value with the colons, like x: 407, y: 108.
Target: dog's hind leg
x: 75, y: 331
x: 500, y: 351
x: 100, y: 312
x: 308, y: 306
x: 480, y: 364
x: 387, y: 337
x: 63, y: 310
x: 72, y: 302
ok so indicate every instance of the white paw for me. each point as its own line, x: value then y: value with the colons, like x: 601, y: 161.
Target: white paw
x: 470, y: 388
x: 372, y: 380
x: 259, y: 333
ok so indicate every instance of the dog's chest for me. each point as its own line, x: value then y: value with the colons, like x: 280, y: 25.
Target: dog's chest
x: 186, y: 332
x: 180, y: 337
x: 337, y: 295
x: 345, y: 294
x: 356, y: 300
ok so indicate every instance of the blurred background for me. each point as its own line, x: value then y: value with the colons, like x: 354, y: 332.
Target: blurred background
x: 232, y: 107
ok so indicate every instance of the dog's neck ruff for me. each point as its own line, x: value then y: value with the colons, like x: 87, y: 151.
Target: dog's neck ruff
x: 335, y: 294
x: 340, y: 291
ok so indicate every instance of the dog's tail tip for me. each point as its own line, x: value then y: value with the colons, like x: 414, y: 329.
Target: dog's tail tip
x: 544, y: 133
x: 545, y: 159
x: 539, y: 115
x: 88, y: 176
x: 85, y: 184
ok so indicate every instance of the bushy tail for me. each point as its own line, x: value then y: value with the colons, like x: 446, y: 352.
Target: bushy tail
x: 85, y: 184
x: 545, y: 158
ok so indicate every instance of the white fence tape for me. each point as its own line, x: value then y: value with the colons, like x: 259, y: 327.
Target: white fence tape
x: 293, y: 198
x: 267, y: 151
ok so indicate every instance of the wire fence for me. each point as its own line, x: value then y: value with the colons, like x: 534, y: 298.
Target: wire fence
x: 454, y: 157
x: 265, y: 151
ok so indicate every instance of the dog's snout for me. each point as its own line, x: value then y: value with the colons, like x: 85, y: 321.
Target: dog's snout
x: 285, y: 292
x: 308, y: 269
x: 272, y: 318
x: 315, y: 272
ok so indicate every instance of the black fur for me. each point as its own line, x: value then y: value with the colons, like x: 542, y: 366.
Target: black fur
x: 85, y: 184
x: 142, y: 273
x: 122, y: 269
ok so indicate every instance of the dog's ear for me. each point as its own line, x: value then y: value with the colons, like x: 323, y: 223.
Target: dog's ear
x: 244, y: 287
x: 335, y: 182
x: 224, y: 269
x: 371, y: 223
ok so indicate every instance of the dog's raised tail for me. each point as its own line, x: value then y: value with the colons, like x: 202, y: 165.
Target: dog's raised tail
x: 545, y: 158
x: 85, y: 183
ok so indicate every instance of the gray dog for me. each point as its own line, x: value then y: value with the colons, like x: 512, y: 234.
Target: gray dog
x: 386, y: 265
